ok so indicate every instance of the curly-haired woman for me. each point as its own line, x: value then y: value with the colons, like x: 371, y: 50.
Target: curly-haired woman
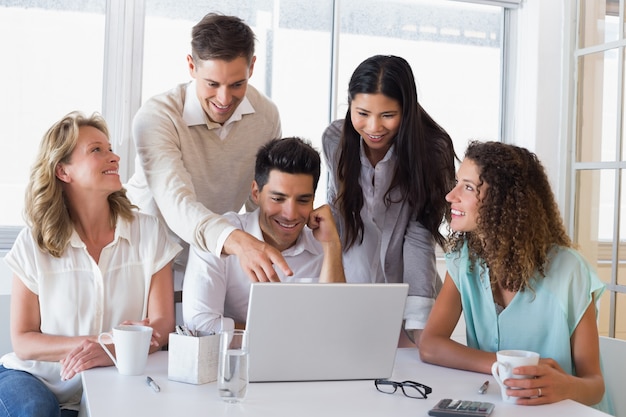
x: 513, y: 272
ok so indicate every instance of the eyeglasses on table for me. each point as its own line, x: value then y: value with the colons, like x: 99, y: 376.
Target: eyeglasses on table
x: 411, y: 389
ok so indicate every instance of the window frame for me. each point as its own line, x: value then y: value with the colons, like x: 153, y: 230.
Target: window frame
x: 607, y: 251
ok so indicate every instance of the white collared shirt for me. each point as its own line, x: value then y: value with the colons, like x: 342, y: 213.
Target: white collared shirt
x: 194, y: 114
x: 217, y: 286
x: 79, y: 297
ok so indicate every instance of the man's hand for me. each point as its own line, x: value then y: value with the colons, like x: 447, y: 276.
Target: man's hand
x: 257, y: 258
x: 322, y: 224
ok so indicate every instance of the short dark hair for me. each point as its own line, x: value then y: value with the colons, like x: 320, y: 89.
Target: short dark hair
x: 291, y: 155
x: 217, y: 36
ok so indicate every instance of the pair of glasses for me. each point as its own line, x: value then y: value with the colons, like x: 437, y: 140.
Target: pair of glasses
x: 409, y: 388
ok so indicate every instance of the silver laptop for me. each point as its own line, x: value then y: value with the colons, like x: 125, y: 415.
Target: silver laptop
x: 319, y: 332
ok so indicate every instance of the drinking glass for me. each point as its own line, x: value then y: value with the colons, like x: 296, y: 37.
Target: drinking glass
x: 232, y: 373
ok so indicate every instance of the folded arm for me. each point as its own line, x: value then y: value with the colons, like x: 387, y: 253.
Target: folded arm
x: 322, y: 224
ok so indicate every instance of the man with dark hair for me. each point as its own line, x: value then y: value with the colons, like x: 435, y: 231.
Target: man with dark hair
x: 286, y: 176
x: 196, y: 146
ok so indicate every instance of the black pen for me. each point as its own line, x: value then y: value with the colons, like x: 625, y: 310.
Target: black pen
x: 153, y: 384
x: 483, y: 387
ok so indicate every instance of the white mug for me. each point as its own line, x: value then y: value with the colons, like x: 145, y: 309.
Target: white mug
x: 507, y: 360
x: 132, y: 345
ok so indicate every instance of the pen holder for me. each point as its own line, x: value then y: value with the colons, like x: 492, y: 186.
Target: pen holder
x: 193, y: 359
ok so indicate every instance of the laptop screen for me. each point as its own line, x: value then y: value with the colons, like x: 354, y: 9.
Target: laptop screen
x: 313, y: 331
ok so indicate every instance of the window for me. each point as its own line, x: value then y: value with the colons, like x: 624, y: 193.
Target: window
x: 454, y: 49
x: 306, y: 52
x: 52, y: 59
x: 598, y: 164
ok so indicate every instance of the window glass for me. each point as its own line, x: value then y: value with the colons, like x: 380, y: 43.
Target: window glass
x: 597, y: 95
x: 620, y: 316
x: 454, y: 49
x: 621, y: 273
x: 598, y: 22
x: 52, y: 58
x: 167, y: 40
x: 293, y: 56
x: 622, y: 139
x: 598, y: 207
x: 56, y: 51
x: 595, y: 207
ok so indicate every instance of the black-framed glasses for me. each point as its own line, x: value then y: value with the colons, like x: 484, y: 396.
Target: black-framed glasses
x: 411, y: 389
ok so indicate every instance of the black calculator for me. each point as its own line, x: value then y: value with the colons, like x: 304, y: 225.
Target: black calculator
x: 461, y: 408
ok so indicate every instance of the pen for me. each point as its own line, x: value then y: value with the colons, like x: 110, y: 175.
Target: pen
x: 153, y: 384
x: 483, y: 387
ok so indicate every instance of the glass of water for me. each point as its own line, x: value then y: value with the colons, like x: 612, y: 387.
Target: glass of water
x: 232, y: 374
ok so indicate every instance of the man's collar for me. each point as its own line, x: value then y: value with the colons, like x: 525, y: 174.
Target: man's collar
x: 245, y: 107
x: 194, y: 115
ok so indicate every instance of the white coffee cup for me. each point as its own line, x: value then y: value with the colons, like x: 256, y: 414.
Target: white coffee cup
x: 507, y: 360
x: 132, y: 345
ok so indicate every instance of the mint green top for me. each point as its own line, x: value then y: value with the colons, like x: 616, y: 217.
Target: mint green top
x: 541, y: 319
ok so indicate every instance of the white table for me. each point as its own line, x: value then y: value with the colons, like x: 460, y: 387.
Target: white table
x: 109, y: 394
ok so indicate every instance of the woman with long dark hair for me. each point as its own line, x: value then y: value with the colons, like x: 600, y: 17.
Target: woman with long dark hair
x: 391, y: 166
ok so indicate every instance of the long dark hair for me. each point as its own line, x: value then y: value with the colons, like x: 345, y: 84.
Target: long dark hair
x: 424, y: 171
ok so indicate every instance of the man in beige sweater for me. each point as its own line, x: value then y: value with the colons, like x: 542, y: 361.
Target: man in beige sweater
x: 196, y: 147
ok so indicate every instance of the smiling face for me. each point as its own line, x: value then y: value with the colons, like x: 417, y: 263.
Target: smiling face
x: 376, y: 118
x: 220, y: 85
x: 92, y: 165
x: 464, y: 199
x: 285, y: 203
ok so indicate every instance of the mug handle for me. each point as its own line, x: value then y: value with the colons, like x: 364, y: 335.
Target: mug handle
x: 108, y: 352
x: 496, y: 375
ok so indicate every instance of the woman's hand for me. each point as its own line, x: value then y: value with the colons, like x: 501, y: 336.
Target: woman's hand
x: 146, y: 322
x: 88, y: 354
x: 547, y: 383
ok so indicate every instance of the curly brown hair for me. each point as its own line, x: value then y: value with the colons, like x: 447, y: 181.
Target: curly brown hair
x: 518, y: 218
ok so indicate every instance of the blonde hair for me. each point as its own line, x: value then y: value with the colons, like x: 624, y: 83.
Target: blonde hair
x: 46, y: 212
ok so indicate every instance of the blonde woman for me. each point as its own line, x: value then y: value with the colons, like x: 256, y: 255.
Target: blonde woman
x: 86, y: 262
